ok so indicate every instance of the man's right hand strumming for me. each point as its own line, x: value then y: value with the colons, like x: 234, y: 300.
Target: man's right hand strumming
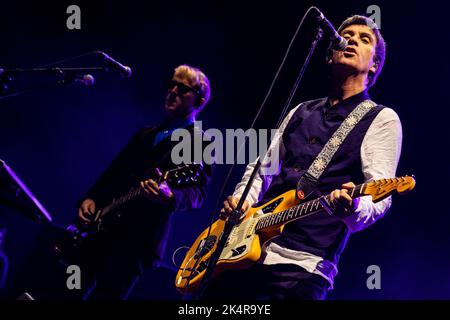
x: 86, y: 210
x: 229, y: 205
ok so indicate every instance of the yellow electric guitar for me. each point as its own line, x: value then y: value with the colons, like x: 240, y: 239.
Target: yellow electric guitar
x: 260, y: 224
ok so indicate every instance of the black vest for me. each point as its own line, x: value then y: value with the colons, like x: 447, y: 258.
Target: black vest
x: 304, y: 137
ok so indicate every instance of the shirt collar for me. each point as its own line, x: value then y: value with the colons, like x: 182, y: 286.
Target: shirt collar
x: 346, y: 106
x: 170, y: 124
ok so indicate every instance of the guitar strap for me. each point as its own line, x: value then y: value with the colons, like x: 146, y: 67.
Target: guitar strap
x: 309, y: 180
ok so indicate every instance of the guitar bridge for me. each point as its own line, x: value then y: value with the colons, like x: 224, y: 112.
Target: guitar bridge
x: 205, y: 246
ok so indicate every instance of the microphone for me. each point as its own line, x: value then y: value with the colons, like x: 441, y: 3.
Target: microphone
x: 86, y: 79
x: 114, y: 65
x: 337, y: 42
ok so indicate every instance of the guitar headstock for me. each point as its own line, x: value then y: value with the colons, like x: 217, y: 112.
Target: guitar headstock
x: 183, y: 176
x: 380, y: 189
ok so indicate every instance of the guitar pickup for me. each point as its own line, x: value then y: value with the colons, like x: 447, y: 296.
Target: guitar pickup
x: 239, y: 250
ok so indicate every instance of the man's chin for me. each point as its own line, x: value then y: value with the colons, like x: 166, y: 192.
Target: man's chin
x: 347, y: 60
x: 170, y: 107
x: 171, y: 111
x: 346, y: 65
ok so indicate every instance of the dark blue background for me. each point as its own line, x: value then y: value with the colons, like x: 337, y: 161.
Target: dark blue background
x: 59, y: 139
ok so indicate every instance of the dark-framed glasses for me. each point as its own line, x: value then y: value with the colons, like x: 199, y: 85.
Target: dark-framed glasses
x: 181, y: 87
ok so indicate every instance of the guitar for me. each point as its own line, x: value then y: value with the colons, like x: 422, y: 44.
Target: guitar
x: 80, y: 232
x: 259, y: 225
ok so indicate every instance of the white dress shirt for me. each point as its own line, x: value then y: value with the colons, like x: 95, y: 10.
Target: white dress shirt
x: 380, y: 153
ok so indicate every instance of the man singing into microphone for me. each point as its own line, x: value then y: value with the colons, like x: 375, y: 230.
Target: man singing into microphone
x: 116, y: 258
x: 302, y: 262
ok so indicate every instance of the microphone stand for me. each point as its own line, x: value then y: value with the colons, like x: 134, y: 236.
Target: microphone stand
x: 15, y: 187
x: 65, y: 76
x: 235, y: 215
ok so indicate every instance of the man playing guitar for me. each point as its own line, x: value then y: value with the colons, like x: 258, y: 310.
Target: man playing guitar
x: 114, y: 258
x: 301, y: 263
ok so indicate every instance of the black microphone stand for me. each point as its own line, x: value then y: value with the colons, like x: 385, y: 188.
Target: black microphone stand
x: 64, y: 76
x: 236, y: 213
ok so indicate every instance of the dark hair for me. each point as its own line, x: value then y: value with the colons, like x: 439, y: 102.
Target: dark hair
x: 380, y: 48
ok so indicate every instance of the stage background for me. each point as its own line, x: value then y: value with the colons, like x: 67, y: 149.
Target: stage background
x: 59, y: 139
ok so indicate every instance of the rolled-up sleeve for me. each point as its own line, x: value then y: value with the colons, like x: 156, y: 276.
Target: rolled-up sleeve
x: 380, y: 153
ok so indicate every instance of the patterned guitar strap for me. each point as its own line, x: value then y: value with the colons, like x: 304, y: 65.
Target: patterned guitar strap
x: 309, y: 180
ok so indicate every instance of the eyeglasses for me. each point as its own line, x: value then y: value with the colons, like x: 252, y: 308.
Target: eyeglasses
x: 181, y: 87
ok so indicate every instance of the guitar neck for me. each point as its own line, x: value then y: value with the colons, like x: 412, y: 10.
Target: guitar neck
x: 133, y: 193
x: 302, y: 210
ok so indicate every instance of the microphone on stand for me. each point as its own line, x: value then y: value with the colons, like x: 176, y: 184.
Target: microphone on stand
x: 338, y: 43
x: 114, y: 65
x: 86, y: 79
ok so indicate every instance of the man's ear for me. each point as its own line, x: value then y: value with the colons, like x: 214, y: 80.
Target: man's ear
x: 329, y: 57
x: 199, y: 103
x: 374, y: 67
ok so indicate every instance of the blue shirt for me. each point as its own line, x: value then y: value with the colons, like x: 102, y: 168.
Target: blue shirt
x: 170, y: 126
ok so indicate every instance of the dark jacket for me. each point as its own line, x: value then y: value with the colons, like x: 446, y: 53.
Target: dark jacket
x: 144, y: 226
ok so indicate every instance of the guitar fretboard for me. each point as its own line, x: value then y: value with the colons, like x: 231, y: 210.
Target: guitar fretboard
x: 185, y: 172
x: 118, y: 202
x: 301, y: 210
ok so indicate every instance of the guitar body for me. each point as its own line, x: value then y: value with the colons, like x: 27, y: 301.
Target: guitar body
x: 242, y: 249
x: 72, y: 247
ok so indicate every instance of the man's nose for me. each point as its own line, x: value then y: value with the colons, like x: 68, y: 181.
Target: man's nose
x: 352, y: 41
x: 171, y: 93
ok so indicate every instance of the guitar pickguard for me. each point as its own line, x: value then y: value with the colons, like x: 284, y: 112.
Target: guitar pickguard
x: 241, y: 237
x: 240, y: 240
